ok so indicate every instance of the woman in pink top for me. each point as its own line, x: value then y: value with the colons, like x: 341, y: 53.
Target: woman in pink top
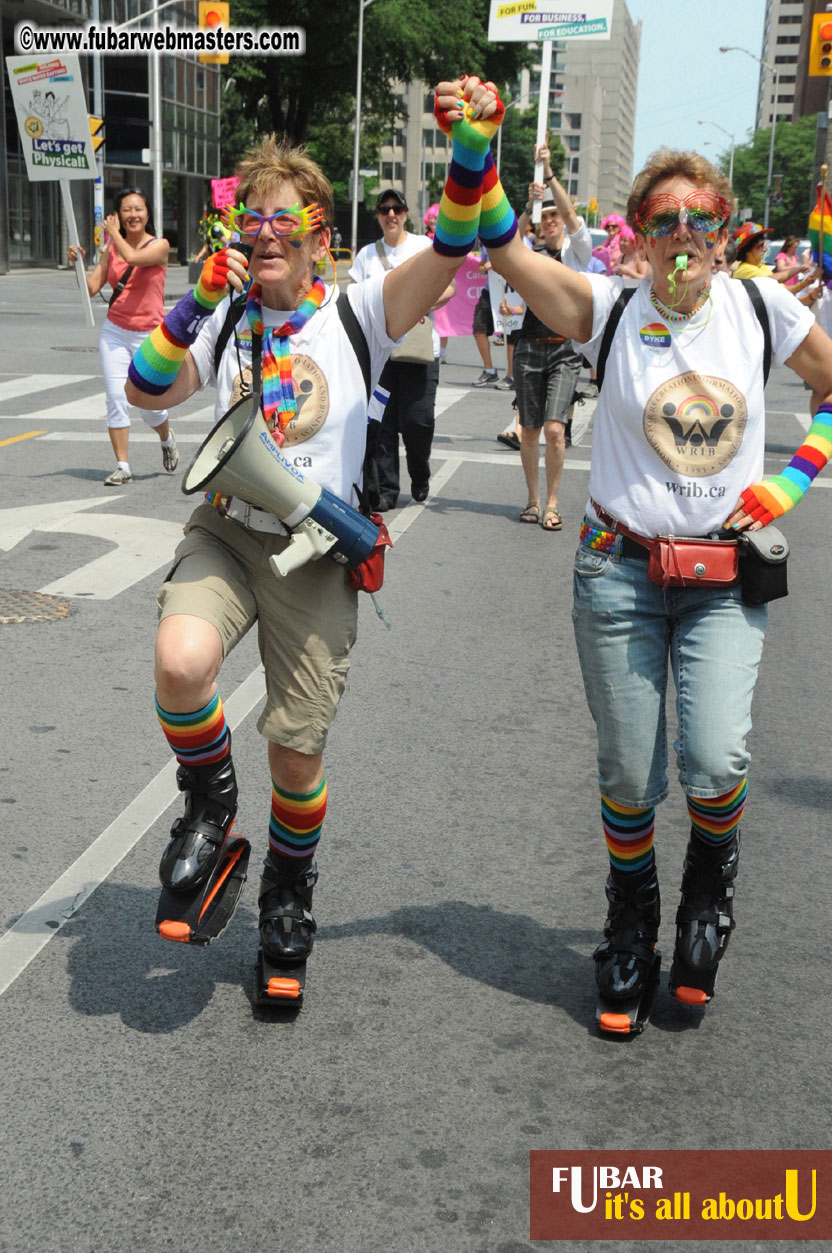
x: 132, y: 253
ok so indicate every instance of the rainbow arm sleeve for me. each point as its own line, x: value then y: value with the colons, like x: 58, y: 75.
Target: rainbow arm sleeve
x: 498, y: 221
x: 156, y: 362
x: 459, y: 208
x: 778, y: 494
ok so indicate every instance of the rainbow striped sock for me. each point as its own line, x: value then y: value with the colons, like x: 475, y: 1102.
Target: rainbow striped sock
x: 201, y: 738
x: 629, y: 835
x: 776, y: 495
x: 715, y: 820
x: 296, y: 821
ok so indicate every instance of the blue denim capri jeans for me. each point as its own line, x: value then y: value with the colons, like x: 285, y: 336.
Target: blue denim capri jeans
x: 627, y: 629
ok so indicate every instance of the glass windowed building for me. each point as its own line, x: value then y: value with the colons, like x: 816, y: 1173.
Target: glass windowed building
x: 31, y: 228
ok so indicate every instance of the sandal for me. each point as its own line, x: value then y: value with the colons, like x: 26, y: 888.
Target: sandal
x: 531, y: 513
x: 552, y: 521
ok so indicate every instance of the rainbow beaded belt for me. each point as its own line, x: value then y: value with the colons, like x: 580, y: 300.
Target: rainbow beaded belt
x: 601, y: 541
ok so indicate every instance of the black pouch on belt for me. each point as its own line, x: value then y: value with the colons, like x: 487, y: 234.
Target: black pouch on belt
x: 763, y: 557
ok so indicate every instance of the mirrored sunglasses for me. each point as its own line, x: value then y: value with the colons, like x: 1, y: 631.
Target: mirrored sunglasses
x: 287, y: 222
x: 700, y: 210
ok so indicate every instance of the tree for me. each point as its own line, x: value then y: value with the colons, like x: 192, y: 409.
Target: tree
x: 403, y: 39
x: 516, y: 155
x: 794, y: 152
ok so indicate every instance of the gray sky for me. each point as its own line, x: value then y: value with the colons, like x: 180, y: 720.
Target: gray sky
x: 683, y: 76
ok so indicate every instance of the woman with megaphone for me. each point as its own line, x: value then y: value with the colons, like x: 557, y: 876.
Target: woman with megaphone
x: 308, y: 342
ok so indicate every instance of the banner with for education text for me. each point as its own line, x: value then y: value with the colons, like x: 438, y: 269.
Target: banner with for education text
x: 512, y: 21
x: 52, y: 117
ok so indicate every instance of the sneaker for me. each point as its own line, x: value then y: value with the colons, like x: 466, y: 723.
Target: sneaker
x: 506, y: 384
x: 485, y: 379
x: 118, y: 477
x: 170, y: 455
x: 591, y: 389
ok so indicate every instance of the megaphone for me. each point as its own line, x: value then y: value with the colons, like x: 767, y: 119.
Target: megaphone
x: 239, y: 458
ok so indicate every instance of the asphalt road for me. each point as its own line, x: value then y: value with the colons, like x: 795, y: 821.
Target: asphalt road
x: 448, y: 1025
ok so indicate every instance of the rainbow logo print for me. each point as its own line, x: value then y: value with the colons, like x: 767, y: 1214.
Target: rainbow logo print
x: 655, y: 335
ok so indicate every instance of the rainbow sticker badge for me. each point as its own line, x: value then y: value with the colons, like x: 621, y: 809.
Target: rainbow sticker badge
x: 655, y: 335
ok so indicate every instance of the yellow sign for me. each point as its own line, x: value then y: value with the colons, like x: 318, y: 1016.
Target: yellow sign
x: 96, y: 132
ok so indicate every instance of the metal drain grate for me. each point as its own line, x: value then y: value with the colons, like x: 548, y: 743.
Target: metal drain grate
x: 17, y: 606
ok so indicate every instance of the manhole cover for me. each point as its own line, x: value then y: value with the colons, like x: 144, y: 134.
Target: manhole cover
x: 16, y: 606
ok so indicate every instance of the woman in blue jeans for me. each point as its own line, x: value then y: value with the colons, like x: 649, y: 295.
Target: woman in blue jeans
x: 679, y: 435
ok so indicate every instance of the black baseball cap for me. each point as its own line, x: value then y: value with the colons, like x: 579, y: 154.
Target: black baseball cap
x: 391, y: 194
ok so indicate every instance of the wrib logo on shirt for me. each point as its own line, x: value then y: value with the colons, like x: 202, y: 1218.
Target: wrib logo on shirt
x: 695, y: 423
x: 311, y: 398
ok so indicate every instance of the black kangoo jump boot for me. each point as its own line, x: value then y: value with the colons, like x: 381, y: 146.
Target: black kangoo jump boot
x: 287, y: 928
x: 704, y: 919
x: 196, y: 838
x: 627, y: 961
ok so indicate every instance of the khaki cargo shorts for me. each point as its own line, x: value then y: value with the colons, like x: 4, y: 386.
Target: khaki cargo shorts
x: 306, y: 622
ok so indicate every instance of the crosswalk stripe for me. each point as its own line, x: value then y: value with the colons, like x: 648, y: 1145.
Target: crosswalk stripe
x: 47, y: 383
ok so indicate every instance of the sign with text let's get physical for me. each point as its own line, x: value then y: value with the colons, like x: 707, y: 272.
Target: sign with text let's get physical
x: 51, y: 110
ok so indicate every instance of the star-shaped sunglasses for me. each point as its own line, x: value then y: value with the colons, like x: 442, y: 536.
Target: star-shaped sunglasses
x: 701, y: 210
x: 287, y: 222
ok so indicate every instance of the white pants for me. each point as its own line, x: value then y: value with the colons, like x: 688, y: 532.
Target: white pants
x: 116, y: 347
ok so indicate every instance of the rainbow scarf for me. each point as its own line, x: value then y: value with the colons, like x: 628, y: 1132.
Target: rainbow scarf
x: 279, y: 406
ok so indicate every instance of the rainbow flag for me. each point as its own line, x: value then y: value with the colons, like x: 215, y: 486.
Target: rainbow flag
x: 824, y: 204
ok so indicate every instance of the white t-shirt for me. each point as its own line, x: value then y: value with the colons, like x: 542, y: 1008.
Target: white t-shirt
x: 368, y: 264
x: 679, y: 430
x: 327, y: 437
x: 576, y: 249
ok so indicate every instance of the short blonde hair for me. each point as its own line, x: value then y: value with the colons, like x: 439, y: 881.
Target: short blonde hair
x: 676, y: 163
x: 276, y: 160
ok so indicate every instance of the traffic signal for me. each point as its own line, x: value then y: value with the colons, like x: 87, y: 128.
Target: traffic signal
x: 820, y: 49
x: 96, y: 132
x: 214, y: 14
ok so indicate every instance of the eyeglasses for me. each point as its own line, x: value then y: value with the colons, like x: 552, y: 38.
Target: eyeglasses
x: 390, y: 208
x: 701, y: 210
x: 286, y: 222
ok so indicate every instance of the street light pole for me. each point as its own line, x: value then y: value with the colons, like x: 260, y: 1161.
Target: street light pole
x: 776, y: 72
x: 731, y: 137
x: 362, y: 5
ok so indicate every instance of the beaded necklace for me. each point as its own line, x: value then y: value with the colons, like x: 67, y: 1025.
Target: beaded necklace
x: 670, y: 315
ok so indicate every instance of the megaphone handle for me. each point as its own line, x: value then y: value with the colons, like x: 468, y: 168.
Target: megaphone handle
x: 309, y: 542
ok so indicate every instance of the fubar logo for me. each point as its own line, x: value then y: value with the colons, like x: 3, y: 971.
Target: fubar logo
x: 695, y: 423
x: 714, y: 1195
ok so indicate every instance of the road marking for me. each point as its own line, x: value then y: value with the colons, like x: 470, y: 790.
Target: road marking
x: 15, y: 439
x: 35, y: 928
x: 23, y: 386
x: 142, y: 545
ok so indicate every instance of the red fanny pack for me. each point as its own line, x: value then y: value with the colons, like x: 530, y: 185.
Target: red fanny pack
x: 678, y: 562
x: 369, y: 575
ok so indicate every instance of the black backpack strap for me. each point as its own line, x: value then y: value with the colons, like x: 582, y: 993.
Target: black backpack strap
x: 625, y: 295
x: 762, y: 317
x: 357, y: 338
x: 121, y: 284
x: 232, y: 317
